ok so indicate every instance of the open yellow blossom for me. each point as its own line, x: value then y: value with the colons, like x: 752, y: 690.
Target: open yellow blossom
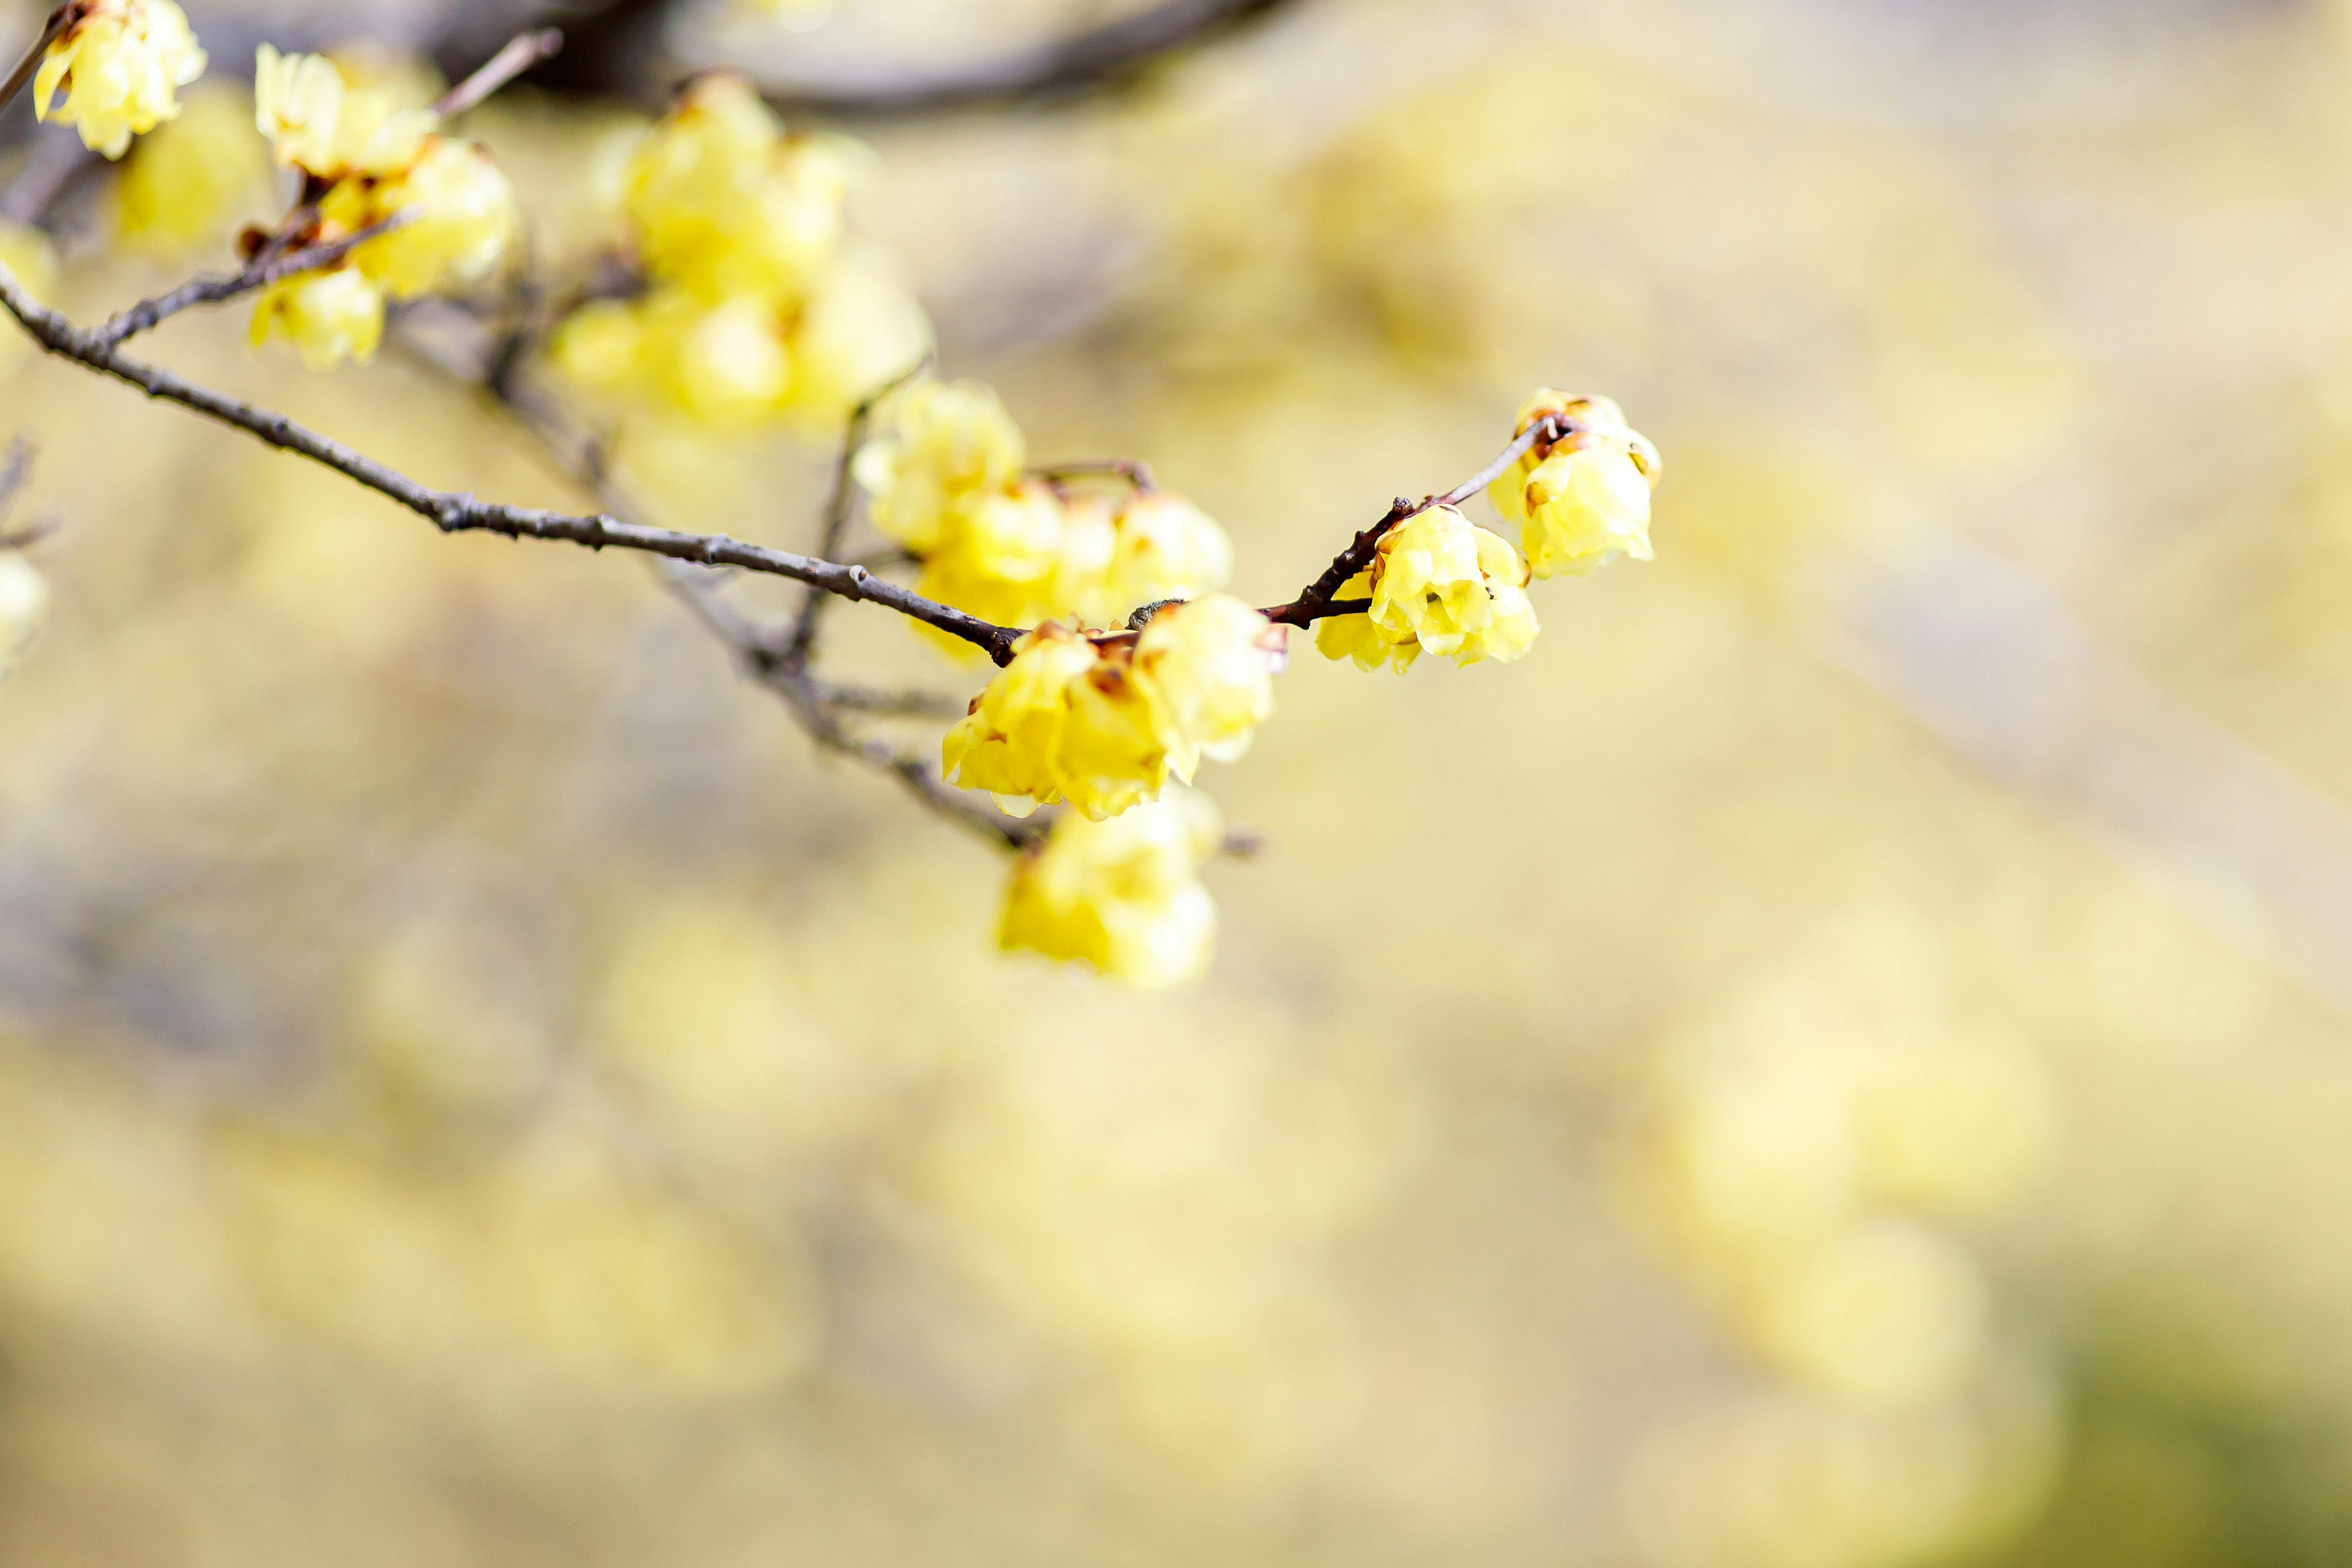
x: 194, y: 177
x: 1209, y: 664
x: 329, y: 130
x: 858, y: 328
x: 949, y: 444
x: 1166, y: 548
x: 1123, y: 896
x: 1584, y: 500
x: 122, y: 64
x: 458, y: 216
x: 1115, y: 750
x: 1009, y: 742
x: 23, y: 606
x: 723, y: 201
x: 1437, y: 584
x: 328, y: 317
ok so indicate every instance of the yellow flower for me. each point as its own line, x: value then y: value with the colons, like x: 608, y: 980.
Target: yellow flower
x: 1209, y: 666
x: 1167, y: 549
x: 723, y: 366
x: 192, y: 178
x: 1009, y: 742
x: 1123, y: 896
x: 330, y: 317
x: 723, y: 201
x: 317, y: 124
x: 1114, y: 751
x: 1437, y: 585
x: 24, y: 607
x: 122, y: 64
x: 459, y: 216
x: 1583, y: 501
x: 859, y: 330
x: 951, y: 443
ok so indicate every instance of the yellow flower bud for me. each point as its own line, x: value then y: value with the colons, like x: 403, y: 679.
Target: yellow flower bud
x: 1122, y: 897
x: 122, y: 64
x: 1008, y: 743
x: 458, y: 211
x: 1167, y: 549
x: 1583, y: 501
x: 1209, y: 664
x: 328, y: 317
x: 194, y: 177
x: 318, y: 123
x: 950, y: 442
x: 24, y: 608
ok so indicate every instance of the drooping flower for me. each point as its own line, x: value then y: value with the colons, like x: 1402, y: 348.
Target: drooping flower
x: 328, y: 317
x: 947, y: 445
x: 24, y: 607
x: 1209, y: 664
x: 194, y: 177
x: 122, y: 64
x: 1010, y: 743
x: 458, y: 216
x: 1164, y: 548
x: 1123, y: 895
x: 1580, y: 502
x: 1440, y: 585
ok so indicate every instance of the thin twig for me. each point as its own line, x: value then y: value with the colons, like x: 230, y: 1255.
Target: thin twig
x: 457, y: 512
x: 217, y: 288
x: 1136, y: 474
x: 519, y: 56
x: 61, y: 18
x: 876, y: 704
x: 840, y: 506
x: 1318, y: 601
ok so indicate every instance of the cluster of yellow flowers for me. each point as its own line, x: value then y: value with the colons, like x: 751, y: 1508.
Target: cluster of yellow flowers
x: 24, y: 605
x: 948, y: 481
x: 1122, y: 896
x: 120, y: 64
x: 365, y: 162
x: 1102, y: 722
x: 1440, y: 584
x: 753, y: 310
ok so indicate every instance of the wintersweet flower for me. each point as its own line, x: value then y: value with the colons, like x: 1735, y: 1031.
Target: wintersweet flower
x: 1122, y: 897
x: 330, y: 130
x: 458, y: 216
x: 24, y: 607
x: 1582, y: 500
x: 122, y: 64
x: 1209, y: 666
x: 193, y: 177
x: 1437, y: 585
x: 1115, y: 750
x: 328, y: 317
x: 723, y: 201
x: 950, y: 443
x: 1010, y: 743
x: 1165, y: 547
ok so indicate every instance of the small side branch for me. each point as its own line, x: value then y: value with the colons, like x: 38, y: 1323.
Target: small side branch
x: 455, y: 513
x: 218, y: 289
x: 61, y: 18
x: 839, y: 509
x: 1319, y: 600
x: 519, y: 56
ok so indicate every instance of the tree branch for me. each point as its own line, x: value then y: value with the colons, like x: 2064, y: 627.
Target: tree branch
x: 1104, y: 56
x: 520, y: 55
x: 455, y: 513
x: 61, y: 18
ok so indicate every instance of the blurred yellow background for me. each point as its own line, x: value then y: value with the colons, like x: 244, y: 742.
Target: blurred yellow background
x: 1839, y: 1059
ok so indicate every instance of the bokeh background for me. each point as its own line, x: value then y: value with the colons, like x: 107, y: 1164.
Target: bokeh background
x: 1840, y: 1059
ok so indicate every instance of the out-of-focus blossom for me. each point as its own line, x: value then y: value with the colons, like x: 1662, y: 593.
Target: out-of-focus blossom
x: 120, y: 64
x: 320, y: 124
x: 328, y: 317
x: 1209, y: 664
x: 1122, y: 896
x: 193, y: 177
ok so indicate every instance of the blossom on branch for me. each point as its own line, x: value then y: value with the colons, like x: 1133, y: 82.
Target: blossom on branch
x: 1102, y: 723
x: 1437, y: 585
x: 328, y: 317
x: 1124, y: 896
x: 1582, y: 500
x: 120, y: 64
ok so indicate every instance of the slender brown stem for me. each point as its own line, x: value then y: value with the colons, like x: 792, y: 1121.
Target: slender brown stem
x: 519, y: 56
x: 1136, y: 474
x: 839, y: 508
x: 149, y: 314
x: 457, y: 512
x: 1319, y: 600
x: 61, y: 18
